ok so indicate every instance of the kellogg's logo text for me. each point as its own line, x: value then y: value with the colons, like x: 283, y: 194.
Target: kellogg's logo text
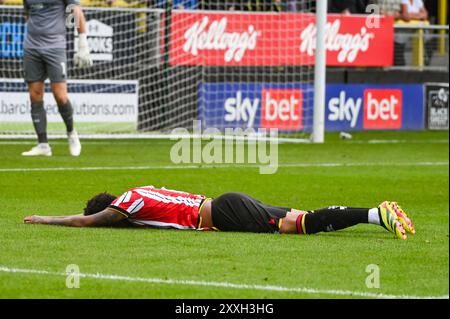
x: 348, y: 45
x: 205, y: 36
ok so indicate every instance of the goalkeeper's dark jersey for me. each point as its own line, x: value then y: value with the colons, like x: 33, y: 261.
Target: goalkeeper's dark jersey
x: 46, y: 26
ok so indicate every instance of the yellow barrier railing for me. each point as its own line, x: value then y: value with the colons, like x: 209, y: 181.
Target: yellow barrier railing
x: 141, y: 16
x: 442, y: 20
x: 418, y: 43
x: 112, y: 4
x: 91, y: 3
x: 12, y: 2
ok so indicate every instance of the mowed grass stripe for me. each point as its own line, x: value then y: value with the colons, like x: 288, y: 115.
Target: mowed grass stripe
x: 150, y: 167
x: 229, y: 285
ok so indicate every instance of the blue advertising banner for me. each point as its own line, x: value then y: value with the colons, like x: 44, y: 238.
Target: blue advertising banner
x: 289, y: 107
x: 11, y: 39
x: 358, y: 107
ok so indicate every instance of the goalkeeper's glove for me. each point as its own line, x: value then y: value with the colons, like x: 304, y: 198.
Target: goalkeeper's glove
x: 82, y: 58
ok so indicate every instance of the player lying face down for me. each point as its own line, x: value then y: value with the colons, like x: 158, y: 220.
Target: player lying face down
x: 164, y: 208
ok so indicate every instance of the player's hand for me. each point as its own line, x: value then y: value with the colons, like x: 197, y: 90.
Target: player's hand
x: 33, y: 219
x: 82, y: 58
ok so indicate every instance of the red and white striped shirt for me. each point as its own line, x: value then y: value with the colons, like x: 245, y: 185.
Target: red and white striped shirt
x: 162, y: 208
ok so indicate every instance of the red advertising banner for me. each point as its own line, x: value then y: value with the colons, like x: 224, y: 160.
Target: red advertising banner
x: 383, y: 109
x: 282, y: 109
x: 247, y: 39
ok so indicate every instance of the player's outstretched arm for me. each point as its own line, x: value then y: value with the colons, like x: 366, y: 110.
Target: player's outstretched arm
x: 107, y: 217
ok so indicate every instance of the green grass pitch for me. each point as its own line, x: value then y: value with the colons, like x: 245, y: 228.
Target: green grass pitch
x: 411, y: 168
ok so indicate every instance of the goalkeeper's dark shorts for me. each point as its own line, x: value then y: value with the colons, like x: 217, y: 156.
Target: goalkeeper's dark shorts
x: 242, y: 213
x: 40, y: 64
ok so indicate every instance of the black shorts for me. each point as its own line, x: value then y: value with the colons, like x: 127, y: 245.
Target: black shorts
x: 40, y: 64
x: 241, y: 213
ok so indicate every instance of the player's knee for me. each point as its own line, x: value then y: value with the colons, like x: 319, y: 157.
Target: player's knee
x: 36, y: 95
x: 60, y: 93
x: 60, y: 97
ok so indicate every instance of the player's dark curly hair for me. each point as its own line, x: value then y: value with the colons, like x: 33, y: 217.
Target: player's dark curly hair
x: 98, y: 203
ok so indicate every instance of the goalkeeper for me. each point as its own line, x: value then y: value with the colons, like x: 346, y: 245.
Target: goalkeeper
x: 45, y: 57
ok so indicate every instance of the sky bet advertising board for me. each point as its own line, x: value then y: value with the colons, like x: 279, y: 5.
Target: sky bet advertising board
x: 349, y: 107
x: 255, y: 105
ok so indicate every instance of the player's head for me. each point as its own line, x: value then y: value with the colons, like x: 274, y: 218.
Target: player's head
x: 98, y: 203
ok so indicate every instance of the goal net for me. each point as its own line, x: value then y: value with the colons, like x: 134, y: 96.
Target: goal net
x: 192, y: 64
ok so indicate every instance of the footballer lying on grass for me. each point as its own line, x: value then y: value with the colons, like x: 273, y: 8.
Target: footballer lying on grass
x: 163, y: 208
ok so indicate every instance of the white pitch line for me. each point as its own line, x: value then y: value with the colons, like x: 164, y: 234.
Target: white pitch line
x: 222, y: 284
x: 166, y: 141
x: 431, y: 141
x: 99, y: 168
x: 91, y: 142
x: 198, y: 166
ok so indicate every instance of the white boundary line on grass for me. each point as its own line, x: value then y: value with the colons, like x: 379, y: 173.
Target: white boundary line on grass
x: 166, y: 141
x: 424, y: 141
x: 222, y: 284
x: 155, y: 167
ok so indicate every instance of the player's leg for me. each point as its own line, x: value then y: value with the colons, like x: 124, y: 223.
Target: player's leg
x: 240, y: 212
x: 59, y: 90
x: 38, y: 114
x: 56, y: 62
x: 328, y: 219
x: 35, y: 75
x: 338, y: 217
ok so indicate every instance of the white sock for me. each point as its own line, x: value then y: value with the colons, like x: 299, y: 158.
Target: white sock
x: 43, y: 145
x: 374, y: 217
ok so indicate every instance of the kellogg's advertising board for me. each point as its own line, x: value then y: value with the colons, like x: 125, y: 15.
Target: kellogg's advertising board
x: 274, y: 39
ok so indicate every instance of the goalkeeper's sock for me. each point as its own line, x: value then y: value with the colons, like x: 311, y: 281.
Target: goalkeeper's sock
x: 39, y: 117
x: 66, y: 112
x: 334, y: 218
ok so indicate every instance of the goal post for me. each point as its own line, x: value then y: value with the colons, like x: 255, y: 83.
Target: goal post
x: 318, y: 134
x: 218, y: 63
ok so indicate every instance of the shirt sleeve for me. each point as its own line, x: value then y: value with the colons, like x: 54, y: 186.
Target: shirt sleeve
x: 128, y: 204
